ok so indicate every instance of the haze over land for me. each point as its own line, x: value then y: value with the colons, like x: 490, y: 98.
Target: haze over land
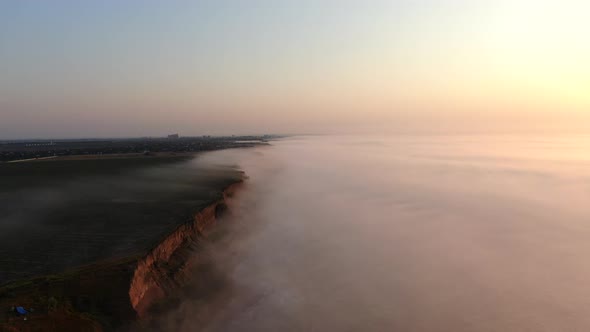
x: 73, y: 69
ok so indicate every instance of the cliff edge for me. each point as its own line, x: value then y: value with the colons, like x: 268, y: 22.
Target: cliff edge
x: 112, y: 293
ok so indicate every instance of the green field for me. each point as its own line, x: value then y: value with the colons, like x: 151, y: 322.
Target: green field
x: 60, y: 214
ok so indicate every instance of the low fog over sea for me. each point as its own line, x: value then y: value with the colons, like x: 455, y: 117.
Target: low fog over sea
x: 402, y: 233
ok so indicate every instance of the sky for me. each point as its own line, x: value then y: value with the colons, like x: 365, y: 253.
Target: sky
x: 135, y: 68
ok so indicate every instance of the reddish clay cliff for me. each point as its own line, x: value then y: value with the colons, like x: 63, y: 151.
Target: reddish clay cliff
x: 163, y: 268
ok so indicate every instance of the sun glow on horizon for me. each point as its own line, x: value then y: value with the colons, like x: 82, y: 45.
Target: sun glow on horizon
x: 542, y: 46
x: 248, y: 67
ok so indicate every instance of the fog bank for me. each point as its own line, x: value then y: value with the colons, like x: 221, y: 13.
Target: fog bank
x: 411, y: 233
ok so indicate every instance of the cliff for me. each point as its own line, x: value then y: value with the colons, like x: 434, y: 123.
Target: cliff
x: 111, y: 293
x: 163, y: 268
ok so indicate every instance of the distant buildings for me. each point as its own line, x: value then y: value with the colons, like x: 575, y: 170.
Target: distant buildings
x: 22, y: 150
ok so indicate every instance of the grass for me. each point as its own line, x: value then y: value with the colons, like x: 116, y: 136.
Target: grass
x: 61, y: 214
x: 72, y: 230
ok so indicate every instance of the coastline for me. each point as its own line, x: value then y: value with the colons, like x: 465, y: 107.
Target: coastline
x: 113, y: 293
x: 163, y: 267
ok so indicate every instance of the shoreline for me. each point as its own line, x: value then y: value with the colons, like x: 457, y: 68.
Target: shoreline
x: 154, y: 270
x: 115, y: 292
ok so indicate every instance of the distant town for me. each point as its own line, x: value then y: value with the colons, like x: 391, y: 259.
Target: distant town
x: 24, y: 150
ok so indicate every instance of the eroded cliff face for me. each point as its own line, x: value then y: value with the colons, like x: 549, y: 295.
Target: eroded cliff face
x: 164, y: 268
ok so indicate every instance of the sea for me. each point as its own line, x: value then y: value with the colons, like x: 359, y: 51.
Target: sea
x: 403, y: 233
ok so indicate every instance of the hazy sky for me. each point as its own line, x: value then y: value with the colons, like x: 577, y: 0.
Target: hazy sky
x: 127, y: 68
